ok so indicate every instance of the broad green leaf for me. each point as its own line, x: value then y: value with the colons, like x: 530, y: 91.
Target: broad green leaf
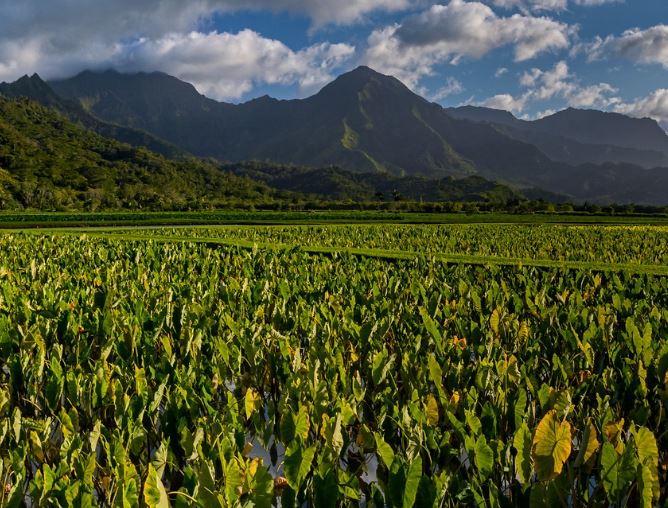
x: 252, y: 402
x: 384, y: 450
x: 130, y: 496
x: 617, y: 471
x: 431, y: 409
x: 484, y: 457
x: 155, y: 495
x: 412, y: 482
x: 302, y: 423
x: 522, y: 444
x: 494, y: 321
x: 588, y: 446
x: 298, y: 464
x: 431, y: 328
x: 648, y: 456
x: 326, y: 490
x: 551, y: 446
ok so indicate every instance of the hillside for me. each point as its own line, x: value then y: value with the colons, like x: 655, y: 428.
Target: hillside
x: 47, y: 162
x: 336, y: 183
x: 34, y: 88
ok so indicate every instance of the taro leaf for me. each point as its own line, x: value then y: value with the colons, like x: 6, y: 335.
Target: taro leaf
x: 94, y: 436
x: 337, y: 437
x: 519, y: 408
x: 384, y: 450
x: 262, y: 493
x: 522, y: 444
x: 160, y: 459
x: 326, y: 490
x: 494, y: 321
x: 298, y: 464
x: 431, y: 409
x: 302, y: 424
x: 432, y: 329
x: 155, y: 495
x: 618, y: 471
x: 646, y: 485
x: 648, y: 455
x: 16, y: 424
x: 551, y: 446
x: 287, y: 427
x: 588, y: 447
x: 252, y: 402
x: 381, y: 366
x: 233, y: 482
x: 130, y: 496
x: 484, y: 457
x: 412, y: 482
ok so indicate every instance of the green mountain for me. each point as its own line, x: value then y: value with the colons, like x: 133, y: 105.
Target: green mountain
x: 34, y: 88
x: 581, y: 136
x: 366, y: 122
x: 363, y: 121
x: 48, y: 162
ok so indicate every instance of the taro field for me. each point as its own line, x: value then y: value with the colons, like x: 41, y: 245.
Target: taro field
x: 332, y: 365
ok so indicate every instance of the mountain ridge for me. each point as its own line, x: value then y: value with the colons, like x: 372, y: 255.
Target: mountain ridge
x: 364, y: 121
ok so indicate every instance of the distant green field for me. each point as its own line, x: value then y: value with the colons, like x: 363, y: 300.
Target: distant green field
x: 15, y: 220
x: 639, y: 248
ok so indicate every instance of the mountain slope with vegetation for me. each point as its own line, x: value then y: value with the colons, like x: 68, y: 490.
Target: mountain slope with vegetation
x: 34, y: 88
x: 47, y: 162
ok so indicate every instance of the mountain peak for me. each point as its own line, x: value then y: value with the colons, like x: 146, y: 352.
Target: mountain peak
x: 363, y: 79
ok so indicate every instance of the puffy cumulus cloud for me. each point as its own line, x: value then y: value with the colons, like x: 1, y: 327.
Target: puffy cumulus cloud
x: 648, y: 46
x: 560, y: 83
x: 460, y: 29
x: 220, y: 65
x: 505, y: 102
x: 58, y: 38
x: 227, y: 66
x: 655, y: 106
x: 555, y: 83
x: 548, y: 5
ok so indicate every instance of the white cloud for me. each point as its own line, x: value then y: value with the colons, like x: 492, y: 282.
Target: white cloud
x: 501, y: 71
x: 452, y: 87
x: 555, y: 83
x: 220, y: 65
x: 226, y: 66
x: 506, y: 102
x: 460, y: 29
x: 58, y: 38
x: 639, y: 46
x: 655, y: 106
x: 547, y: 5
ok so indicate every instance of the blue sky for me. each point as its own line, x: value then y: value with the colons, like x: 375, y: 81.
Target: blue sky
x: 527, y: 56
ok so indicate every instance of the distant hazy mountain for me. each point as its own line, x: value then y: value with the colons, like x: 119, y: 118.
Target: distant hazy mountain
x: 370, y: 123
x: 581, y: 136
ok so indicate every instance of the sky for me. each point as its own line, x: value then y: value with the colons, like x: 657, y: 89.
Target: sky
x: 531, y: 57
